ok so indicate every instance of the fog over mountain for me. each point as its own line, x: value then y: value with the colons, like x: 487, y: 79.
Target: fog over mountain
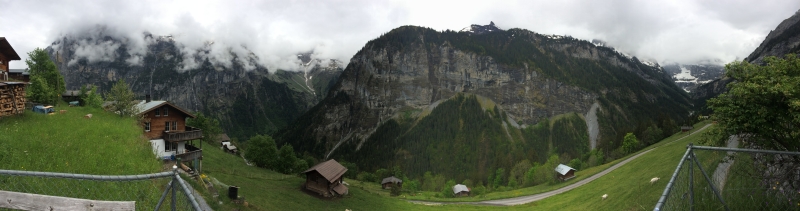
x: 271, y: 33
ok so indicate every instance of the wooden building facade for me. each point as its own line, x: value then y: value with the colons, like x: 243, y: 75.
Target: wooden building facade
x: 326, y: 179
x: 165, y: 126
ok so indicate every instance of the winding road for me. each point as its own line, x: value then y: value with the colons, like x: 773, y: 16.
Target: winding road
x: 540, y: 196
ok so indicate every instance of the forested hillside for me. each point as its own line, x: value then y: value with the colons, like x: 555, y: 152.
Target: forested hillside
x: 375, y: 115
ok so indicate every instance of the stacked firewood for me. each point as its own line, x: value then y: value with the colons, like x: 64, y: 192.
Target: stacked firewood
x: 12, y: 99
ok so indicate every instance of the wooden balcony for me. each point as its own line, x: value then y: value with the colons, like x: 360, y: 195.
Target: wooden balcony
x: 190, y: 155
x: 177, y: 136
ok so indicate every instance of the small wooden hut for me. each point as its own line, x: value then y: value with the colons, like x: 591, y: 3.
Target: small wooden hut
x: 326, y: 179
x: 460, y: 190
x: 564, y: 172
x: 388, y: 182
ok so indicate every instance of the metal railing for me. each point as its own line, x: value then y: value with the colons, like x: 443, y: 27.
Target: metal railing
x: 742, y: 179
x: 63, y: 191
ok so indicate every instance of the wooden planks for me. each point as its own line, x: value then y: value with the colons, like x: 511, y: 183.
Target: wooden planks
x: 12, y: 99
x: 28, y: 201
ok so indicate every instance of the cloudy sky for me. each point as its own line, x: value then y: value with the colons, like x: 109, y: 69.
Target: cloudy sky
x: 678, y: 30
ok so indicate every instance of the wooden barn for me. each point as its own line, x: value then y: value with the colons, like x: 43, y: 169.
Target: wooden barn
x: 170, y: 137
x: 686, y: 128
x: 460, y: 190
x: 388, y: 182
x: 12, y: 98
x: 326, y: 179
x: 564, y: 172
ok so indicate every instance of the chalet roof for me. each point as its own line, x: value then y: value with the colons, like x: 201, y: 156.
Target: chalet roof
x: 563, y: 169
x: 330, y: 169
x: 6, y: 49
x: 391, y: 179
x: 145, y: 107
x: 459, y: 188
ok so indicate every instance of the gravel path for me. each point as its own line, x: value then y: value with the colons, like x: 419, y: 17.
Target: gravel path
x: 721, y: 174
x: 540, y: 196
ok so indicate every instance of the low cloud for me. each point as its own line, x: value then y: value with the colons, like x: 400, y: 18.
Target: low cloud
x: 271, y: 33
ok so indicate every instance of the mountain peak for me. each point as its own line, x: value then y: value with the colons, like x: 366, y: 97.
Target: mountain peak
x: 481, y: 29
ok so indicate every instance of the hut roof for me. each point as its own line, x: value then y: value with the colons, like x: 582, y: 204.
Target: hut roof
x: 391, y: 179
x: 563, y: 169
x: 330, y: 169
x: 459, y: 188
x: 145, y: 107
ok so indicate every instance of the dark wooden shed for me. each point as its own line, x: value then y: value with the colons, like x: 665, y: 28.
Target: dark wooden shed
x: 326, y: 179
x: 564, y: 172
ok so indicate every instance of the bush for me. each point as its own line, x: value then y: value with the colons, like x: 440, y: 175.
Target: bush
x: 447, y: 189
x: 396, y: 190
x: 367, y: 177
x: 262, y: 151
x: 629, y: 143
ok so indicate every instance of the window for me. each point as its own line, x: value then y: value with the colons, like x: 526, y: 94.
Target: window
x: 158, y: 112
x: 175, y: 125
x: 170, y: 146
x: 166, y: 111
x: 147, y: 127
x: 166, y: 127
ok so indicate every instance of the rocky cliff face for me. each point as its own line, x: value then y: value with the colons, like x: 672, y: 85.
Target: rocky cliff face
x: 783, y: 40
x: 246, y: 102
x: 414, y: 68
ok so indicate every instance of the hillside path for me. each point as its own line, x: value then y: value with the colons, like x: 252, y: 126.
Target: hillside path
x: 540, y: 196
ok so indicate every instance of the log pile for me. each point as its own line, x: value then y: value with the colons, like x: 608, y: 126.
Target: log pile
x: 12, y: 98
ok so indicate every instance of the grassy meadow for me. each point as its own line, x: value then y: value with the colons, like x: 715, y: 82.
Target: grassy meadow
x: 105, y: 144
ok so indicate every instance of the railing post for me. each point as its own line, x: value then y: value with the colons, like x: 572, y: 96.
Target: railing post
x: 174, y: 184
x: 691, y: 178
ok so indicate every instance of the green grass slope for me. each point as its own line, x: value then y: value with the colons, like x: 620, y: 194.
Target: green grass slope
x: 628, y: 187
x: 105, y: 144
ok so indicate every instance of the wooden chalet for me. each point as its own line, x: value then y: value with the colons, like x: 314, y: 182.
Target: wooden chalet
x: 388, y: 182
x: 165, y: 126
x: 326, y: 179
x: 564, y: 172
x: 460, y: 190
x: 7, y: 54
x: 12, y: 93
